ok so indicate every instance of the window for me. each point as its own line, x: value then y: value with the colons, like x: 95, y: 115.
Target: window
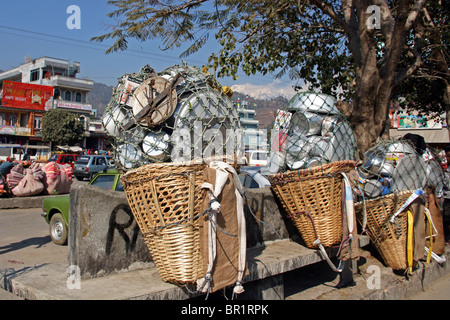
x: 56, y: 94
x: 35, y: 75
x: 68, y: 95
x: 37, y: 122
x: 101, y: 162
x: 69, y: 159
x: 78, y: 97
x: 13, y: 120
x: 105, y: 182
x: 247, y: 181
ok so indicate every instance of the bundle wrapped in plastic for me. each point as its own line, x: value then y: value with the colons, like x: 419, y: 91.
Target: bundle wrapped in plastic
x: 14, y: 177
x: 58, y: 178
x: 31, y: 184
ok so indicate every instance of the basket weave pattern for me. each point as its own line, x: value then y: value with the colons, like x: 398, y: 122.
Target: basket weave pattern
x: 165, y: 199
x: 389, y: 238
x: 312, y: 199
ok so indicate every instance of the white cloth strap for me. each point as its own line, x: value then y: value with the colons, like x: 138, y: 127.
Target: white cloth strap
x: 411, y: 198
x: 222, y: 171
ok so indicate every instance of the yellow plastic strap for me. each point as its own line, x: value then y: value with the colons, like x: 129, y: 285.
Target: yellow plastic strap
x: 409, y: 243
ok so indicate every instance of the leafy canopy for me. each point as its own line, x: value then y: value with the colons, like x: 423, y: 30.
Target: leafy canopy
x: 323, y: 43
x: 255, y: 36
x: 61, y: 127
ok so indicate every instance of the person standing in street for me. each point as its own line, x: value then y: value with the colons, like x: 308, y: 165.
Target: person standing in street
x: 6, y: 166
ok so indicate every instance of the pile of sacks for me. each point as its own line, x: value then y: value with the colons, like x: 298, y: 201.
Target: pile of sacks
x: 40, y: 178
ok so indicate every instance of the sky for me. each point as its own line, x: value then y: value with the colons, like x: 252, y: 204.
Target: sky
x: 37, y: 28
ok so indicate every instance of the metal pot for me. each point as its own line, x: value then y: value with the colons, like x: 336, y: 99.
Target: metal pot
x: 129, y: 156
x: 329, y: 124
x: 314, y: 122
x: 314, y: 102
x: 374, y: 160
x: 112, y: 120
x: 299, y: 124
x: 156, y: 145
x: 372, y: 188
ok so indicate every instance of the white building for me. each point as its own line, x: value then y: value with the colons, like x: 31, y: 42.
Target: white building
x: 23, y: 125
x: 70, y: 92
x: 255, y: 139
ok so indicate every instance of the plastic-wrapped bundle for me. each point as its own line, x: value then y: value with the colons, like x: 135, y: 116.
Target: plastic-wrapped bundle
x: 308, y: 132
x: 179, y: 114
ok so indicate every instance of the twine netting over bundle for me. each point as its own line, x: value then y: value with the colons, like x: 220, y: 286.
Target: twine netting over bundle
x: 177, y: 115
x: 395, y: 166
x: 310, y: 131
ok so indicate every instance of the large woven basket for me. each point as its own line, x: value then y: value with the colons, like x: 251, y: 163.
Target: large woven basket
x: 388, y: 238
x: 165, y: 199
x: 312, y: 199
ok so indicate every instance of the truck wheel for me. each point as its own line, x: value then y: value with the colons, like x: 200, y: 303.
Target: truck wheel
x: 58, y: 229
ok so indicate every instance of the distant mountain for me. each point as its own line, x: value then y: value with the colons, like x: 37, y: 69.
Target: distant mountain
x: 265, y: 109
x: 100, y: 96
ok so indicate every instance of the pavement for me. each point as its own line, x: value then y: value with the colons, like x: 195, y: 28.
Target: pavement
x: 24, y: 202
x: 315, y: 281
x: 304, y: 274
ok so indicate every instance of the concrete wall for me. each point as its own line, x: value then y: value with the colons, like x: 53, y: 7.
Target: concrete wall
x: 104, y: 237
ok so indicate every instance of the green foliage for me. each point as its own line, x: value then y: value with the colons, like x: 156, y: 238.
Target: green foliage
x: 323, y: 43
x: 61, y: 127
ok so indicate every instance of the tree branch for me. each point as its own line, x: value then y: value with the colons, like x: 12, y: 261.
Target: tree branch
x: 328, y: 10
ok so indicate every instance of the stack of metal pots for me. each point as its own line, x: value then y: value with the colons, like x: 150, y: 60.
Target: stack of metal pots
x: 163, y: 117
x: 394, y: 166
x: 308, y: 132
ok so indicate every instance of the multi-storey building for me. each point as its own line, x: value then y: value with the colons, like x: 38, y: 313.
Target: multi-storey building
x: 254, y: 138
x: 25, y: 97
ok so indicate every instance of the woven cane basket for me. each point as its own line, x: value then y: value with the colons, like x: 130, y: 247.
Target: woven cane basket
x: 312, y: 199
x: 165, y: 199
x: 388, y: 238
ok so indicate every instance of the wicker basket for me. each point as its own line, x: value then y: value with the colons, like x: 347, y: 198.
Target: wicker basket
x: 312, y: 199
x: 389, y: 238
x: 165, y: 199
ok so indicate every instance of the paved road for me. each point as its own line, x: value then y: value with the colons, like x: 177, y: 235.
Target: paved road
x: 440, y: 290
x: 25, y: 243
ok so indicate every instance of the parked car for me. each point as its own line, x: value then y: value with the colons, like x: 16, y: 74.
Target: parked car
x: 253, y: 178
x: 256, y: 157
x: 64, y: 159
x: 55, y: 210
x: 88, y: 165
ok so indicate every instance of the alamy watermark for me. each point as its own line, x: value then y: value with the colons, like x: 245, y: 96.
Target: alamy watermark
x: 374, y: 280
x: 374, y: 21
x: 74, y: 20
x: 74, y: 280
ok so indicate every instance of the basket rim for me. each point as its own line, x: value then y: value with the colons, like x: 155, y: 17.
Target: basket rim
x: 324, y: 170
x: 375, y: 201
